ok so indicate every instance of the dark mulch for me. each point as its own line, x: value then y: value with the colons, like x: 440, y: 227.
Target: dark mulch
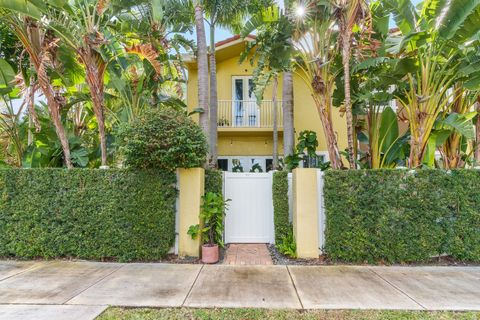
x: 323, y: 260
x: 279, y: 258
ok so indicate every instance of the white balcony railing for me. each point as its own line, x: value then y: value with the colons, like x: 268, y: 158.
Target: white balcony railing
x: 248, y: 114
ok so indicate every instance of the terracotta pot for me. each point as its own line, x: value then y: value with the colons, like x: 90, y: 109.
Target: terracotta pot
x: 209, y: 253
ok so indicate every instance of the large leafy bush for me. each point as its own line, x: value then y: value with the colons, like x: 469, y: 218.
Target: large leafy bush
x: 164, y: 139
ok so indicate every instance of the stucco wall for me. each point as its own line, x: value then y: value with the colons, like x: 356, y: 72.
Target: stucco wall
x: 260, y: 143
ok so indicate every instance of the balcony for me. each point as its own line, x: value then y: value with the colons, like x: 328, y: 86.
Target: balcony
x: 248, y: 114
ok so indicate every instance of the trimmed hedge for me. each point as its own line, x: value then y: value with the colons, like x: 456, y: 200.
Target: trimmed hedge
x: 280, y: 205
x: 91, y: 214
x: 398, y: 216
x: 213, y: 181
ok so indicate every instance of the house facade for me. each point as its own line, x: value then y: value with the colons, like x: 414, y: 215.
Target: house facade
x: 245, y: 127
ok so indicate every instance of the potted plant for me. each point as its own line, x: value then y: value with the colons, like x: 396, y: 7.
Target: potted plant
x: 212, y: 213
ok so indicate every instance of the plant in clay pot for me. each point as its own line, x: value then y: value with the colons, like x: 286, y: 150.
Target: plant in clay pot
x: 212, y: 213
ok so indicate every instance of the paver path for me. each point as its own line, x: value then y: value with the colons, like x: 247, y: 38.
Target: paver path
x: 247, y: 254
x: 53, y: 289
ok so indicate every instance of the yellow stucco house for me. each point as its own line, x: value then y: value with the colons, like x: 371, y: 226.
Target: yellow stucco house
x: 245, y: 128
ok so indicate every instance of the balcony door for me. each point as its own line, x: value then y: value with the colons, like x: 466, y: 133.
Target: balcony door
x: 245, y: 111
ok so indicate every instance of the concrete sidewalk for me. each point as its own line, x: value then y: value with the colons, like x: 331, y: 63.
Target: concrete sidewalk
x: 82, y: 290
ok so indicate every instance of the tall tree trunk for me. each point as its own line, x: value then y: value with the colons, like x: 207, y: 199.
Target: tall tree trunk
x: 39, y: 57
x: 32, y: 115
x: 477, y: 142
x: 202, y: 63
x: 287, y: 108
x: 275, y: 126
x: 331, y: 138
x: 54, y: 108
x: 213, y: 101
x: 94, y: 77
x: 346, y: 37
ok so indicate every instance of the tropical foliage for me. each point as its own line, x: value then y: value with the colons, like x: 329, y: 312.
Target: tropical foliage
x: 212, y: 214
x: 87, y: 67
x: 73, y: 72
x: 408, y: 93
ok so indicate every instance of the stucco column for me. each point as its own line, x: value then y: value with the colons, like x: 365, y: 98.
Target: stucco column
x: 191, y: 184
x: 305, y: 212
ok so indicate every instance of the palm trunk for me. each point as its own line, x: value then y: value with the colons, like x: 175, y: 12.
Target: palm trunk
x: 202, y: 62
x: 32, y: 115
x: 331, y: 138
x: 54, y: 109
x: 38, y: 58
x: 348, y: 103
x: 94, y: 77
x: 288, y: 126
x: 275, y: 127
x: 477, y: 140
x: 213, y: 100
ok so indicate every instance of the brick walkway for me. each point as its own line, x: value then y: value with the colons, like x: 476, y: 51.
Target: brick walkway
x: 247, y: 254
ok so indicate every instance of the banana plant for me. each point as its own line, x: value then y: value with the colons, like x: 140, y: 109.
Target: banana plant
x: 23, y: 17
x: 453, y: 132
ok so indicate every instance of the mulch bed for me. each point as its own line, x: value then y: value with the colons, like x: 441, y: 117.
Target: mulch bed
x: 323, y: 260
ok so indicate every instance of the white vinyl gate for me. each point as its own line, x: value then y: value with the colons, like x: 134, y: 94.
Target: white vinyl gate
x: 249, y: 218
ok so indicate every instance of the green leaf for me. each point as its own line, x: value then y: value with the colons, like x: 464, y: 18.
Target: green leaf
x: 157, y: 10
x: 388, y: 129
x: 24, y: 7
x: 461, y: 123
x: 7, y: 74
x: 458, y: 12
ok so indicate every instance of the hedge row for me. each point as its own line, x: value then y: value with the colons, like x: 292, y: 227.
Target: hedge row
x: 397, y: 216
x: 280, y: 205
x: 213, y: 181
x: 90, y: 214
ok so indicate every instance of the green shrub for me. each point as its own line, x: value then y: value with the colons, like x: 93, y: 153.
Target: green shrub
x: 214, y: 181
x: 90, y: 214
x: 397, y: 216
x: 283, y: 228
x: 280, y: 205
x: 162, y: 139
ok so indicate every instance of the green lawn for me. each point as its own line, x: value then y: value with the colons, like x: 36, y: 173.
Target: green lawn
x: 254, y: 314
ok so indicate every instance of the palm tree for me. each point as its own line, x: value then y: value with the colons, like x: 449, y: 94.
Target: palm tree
x: 349, y: 13
x: 271, y: 52
x: 82, y: 29
x: 287, y: 107
x: 202, y: 66
x: 23, y: 19
x: 230, y: 15
x: 313, y: 41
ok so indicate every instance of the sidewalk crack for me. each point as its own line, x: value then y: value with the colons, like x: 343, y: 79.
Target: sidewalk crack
x: 295, y: 287
x: 31, y: 268
x: 193, y: 284
x: 98, y: 281
x: 398, y: 289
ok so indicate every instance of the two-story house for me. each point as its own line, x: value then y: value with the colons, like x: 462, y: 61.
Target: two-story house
x: 245, y: 127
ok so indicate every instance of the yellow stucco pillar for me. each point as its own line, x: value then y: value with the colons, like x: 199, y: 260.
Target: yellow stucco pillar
x: 305, y: 212
x: 191, y: 184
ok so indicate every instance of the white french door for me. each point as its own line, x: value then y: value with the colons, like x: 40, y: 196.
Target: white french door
x: 245, y: 111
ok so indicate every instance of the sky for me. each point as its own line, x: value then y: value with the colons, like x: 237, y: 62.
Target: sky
x: 221, y: 34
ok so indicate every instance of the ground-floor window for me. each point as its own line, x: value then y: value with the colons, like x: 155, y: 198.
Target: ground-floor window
x: 264, y: 163
x: 245, y: 163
